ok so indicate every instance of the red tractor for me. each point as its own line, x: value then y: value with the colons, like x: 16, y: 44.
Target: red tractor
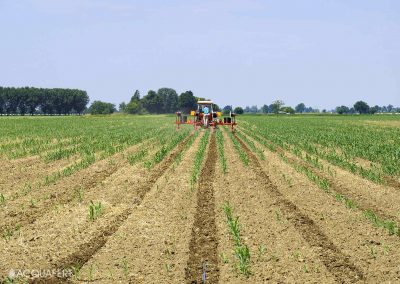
x: 205, y: 117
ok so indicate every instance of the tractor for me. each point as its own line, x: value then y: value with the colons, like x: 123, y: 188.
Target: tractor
x: 205, y: 117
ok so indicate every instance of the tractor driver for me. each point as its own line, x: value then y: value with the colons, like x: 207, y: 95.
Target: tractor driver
x: 206, y: 111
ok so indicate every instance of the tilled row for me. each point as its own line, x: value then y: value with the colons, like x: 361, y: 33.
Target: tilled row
x: 152, y: 244
x: 97, y: 240
x: 87, y: 250
x: 202, y: 266
x: 381, y: 201
x: 334, y: 260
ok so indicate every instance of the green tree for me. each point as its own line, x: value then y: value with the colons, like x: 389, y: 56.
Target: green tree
x: 134, y: 107
x: 238, y: 110
x: 288, y: 109
x: 169, y: 99
x: 1, y: 101
x: 264, y: 109
x: 300, y: 108
x: 361, y: 107
x: 136, y: 96
x: 152, y: 102
x: 216, y: 107
x: 227, y: 109
x: 277, y: 105
x: 80, y: 101
x: 99, y: 107
x: 342, y: 109
x: 187, y: 101
x: 373, y: 110
x: 122, y: 107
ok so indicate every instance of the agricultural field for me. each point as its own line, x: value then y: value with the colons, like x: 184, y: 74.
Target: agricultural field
x: 130, y: 199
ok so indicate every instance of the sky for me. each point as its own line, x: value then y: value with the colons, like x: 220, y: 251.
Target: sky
x: 323, y: 53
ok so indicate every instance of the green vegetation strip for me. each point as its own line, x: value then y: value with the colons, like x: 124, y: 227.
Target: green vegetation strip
x: 169, y: 143
x: 221, y: 152
x: 242, y: 154
x: 241, y: 250
x: 188, y: 144
x: 198, y: 160
x: 251, y: 145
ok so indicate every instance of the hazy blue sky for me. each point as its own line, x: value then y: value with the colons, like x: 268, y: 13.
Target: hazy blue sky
x: 240, y: 52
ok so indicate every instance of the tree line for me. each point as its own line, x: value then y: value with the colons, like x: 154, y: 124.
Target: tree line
x: 57, y: 101
x: 362, y: 107
x: 29, y: 100
x: 278, y: 106
x: 359, y: 107
x: 165, y: 100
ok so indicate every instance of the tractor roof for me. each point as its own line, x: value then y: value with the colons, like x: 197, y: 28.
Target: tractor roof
x: 204, y: 102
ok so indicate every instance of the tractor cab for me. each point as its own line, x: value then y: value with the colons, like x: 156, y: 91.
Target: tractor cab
x: 201, y: 105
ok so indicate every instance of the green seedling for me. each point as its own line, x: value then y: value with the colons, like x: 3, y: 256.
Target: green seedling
x: 241, y: 250
x: 95, y: 210
x: 261, y: 250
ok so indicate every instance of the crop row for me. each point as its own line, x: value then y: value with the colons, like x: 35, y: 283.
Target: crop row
x: 242, y: 154
x: 339, y: 141
x: 325, y: 185
x: 198, y: 159
x: 241, y: 250
x: 221, y: 152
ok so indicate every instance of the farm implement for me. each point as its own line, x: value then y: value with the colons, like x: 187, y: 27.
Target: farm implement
x: 205, y: 117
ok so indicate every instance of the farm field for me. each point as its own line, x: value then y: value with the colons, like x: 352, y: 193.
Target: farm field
x: 129, y: 199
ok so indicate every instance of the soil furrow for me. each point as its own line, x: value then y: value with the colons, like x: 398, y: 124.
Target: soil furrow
x: 334, y: 260
x: 31, y: 214
x: 61, y: 192
x: 203, y: 248
x: 85, y: 251
x: 373, y: 200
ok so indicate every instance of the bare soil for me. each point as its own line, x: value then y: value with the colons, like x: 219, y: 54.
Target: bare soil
x: 203, y: 259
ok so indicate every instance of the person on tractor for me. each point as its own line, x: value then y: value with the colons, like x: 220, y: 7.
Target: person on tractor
x: 206, y: 111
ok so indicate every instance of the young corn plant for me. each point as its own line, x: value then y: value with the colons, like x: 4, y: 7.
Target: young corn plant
x: 2, y: 199
x: 79, y: 194
x: 241, y: 250
x: 389, y: 225
x: 95, y: 210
